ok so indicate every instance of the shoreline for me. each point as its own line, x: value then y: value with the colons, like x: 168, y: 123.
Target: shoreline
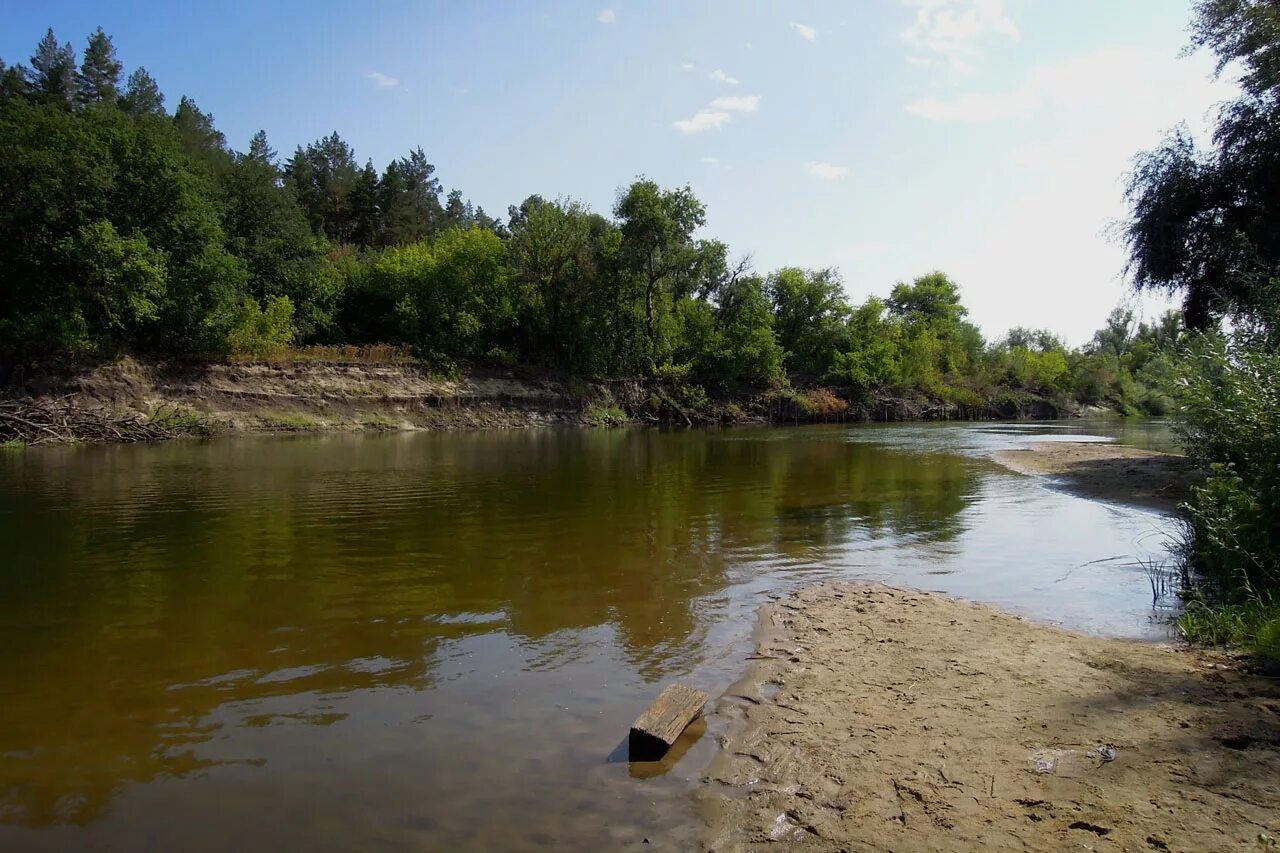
x: 97, y: 403
x: 873, y: 717
x: 1103, y: 470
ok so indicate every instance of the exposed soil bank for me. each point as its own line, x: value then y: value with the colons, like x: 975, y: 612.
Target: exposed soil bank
x: 313, y: 395
x: 1108, y: 471
x: 881, y: 719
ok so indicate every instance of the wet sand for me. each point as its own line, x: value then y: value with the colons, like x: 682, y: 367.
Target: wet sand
x: 876, y: 718
x: 1106, y: 471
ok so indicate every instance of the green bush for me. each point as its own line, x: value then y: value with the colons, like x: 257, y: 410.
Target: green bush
x: 1230, y: 423
x: 259, y: 331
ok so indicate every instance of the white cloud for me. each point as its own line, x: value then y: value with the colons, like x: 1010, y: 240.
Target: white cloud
x: 737, y: 103
x: 382, y: 81
x: 806, y: 32
x: 688, y: 66
x: 702, y: 120
x: 607, y: 16
x: 957, y: 30
x: 719, y: 76
x: 1087, y: 83
x: 710, y: 160
x: 827, y: 171
x: 977, y: 106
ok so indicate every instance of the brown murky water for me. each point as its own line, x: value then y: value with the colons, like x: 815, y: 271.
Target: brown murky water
x: 437, y: 641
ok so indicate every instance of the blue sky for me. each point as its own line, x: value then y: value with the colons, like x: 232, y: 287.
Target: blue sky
x: 888, y: 138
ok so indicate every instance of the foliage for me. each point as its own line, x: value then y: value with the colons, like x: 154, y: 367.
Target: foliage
x: 261, y: 330
x: 1203, y: 224
x: 1231, y: 424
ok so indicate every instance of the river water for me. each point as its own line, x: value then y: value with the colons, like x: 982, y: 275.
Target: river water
x: 438, y: 641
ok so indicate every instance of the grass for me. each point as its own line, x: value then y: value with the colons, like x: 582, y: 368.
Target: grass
x: 183, y: 419
x: 290, y: 421
x: 376, y: 354
x: 606, y: 416
x: 379, y: 421
x: 1253, y: 627
x: 13, y: 444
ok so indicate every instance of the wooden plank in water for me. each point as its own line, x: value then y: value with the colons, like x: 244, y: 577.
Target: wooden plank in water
x: 657, y: 728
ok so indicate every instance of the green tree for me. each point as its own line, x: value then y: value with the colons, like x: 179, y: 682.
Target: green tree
x: 202, y: 141
x: 267, y: 229
x: 322, y: 177
x: 659, y: 253
x: 410, y: 200
x: 99, y: 71
x: 53, y: 70
x: 811, y: 317
x: 142, y: 96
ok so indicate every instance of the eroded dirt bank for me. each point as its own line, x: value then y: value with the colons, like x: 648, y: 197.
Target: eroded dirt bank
x: 1107, y: 471
x: 876, y: 718
x: 313, y: 396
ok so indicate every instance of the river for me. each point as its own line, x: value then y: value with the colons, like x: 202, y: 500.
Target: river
x: 438, y: 640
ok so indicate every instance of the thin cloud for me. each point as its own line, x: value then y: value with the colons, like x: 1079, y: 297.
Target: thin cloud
x: 737, y: 103
x: 721, y: 77
x: 1087, y: 83
x: 688, y: 66
x: 710, y: 160
x: 382, y: 81
x: 703, y: 120
x: 826, y: 171
x: 957, y: 30
x: 977, y: 107
x: 607, y: 16
x: 806, y: 32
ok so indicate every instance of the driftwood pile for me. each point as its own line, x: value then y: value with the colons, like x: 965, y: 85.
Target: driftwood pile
x: 61, y: 421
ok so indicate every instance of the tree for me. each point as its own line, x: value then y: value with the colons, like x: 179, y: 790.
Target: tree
x: 105, y: 230
x: 658, y: 249
x: 268, y: 230
x: 810, y: 317
x: 871, y: 358
x: 932, y: 299
x: 450, y: 297
x: 746, y: 350
x: 1245, y: 30
x: 410, y: 200
x: 53, y: 70
x: 202, y: 141
x: 99, y: 71
x: 142, y: 96
x: 322, y: 177
x: 366, y: 214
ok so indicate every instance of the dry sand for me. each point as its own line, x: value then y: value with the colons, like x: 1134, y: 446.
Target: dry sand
x: 876, y: 718
x: 1107, y: 471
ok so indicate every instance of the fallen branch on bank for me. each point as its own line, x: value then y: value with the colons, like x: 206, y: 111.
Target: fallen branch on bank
x: 61, y: 421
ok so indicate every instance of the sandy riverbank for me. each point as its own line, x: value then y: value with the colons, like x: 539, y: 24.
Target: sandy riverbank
x: 1107, y: 471
x: 876, y: 718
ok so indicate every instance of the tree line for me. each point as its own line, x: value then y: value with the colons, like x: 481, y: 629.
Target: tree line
x: 126, y: 227
x: 1205, y: 224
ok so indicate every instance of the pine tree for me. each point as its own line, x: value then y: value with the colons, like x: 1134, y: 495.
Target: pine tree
x: 366, y: 219
x: 204, y: 143
x: 142, y: 96
x: 100, y: 71
x: 260, y: 149
x: 53, y: 69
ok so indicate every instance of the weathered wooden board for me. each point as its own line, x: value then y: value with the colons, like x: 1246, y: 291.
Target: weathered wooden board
x: 657, y: 728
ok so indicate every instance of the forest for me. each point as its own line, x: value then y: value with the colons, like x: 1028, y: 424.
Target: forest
x: 127, y: 228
